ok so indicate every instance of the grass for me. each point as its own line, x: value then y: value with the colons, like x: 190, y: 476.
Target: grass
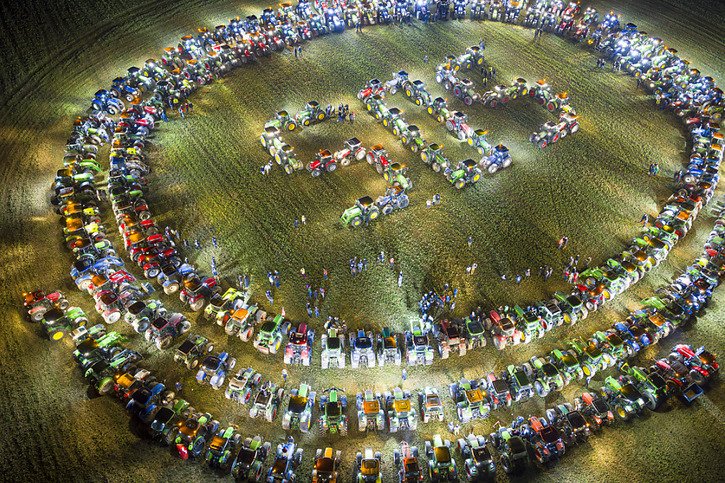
x: 592, y: 187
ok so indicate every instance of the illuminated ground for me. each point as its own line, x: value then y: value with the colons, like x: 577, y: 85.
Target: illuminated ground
x: 591, y: 187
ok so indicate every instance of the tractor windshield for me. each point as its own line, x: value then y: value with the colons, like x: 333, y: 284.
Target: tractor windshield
x: 364, y: 343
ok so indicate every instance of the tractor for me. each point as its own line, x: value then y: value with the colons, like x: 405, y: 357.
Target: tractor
x: 311, y: 114
x: 299, y: 409
x: 388, y: 348
x: 324, y: 162
x: 353, y: 150
x: 410, y: 137
x: 478, y: 140
x: 396, y: 175
x: 282, y: 121
x: 441, y: 465
x: 379, y: 157
x: 466, y: 173
x: 457, y: 125
x: 401, y: 413
x: 299, y: 347
x: 433, y: 156
x: 333, y: 404
x: 417, y: 93
x: 370, y: 411
x: 364, y: 211
x: 438, y: 108
x: 471, y: 400
x: 286, y: 157
x: 498, y: 159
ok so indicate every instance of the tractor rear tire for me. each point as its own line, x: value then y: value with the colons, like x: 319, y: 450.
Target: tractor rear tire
x: 357, y: 221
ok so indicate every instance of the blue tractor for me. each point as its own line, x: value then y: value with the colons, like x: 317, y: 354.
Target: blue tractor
x: 214, y: 369
x: 498, y: 159
x: 104, y: 102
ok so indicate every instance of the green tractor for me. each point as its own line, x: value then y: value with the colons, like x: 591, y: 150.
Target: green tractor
x: 271, y: 140
x: 439, y: 109
x: 396, y: 174
x: 466, y: 173
x: 417, y: 93
x: 478, y: 140
x: 652, y: 385
x: 591, y: 356
x: 56, y: 323
x: 364, y: 211
x: 441, y: 465
x: 411, y: 138
x: 394, y: 120
x: 311, y: 114
x: 287, y: 158
x: 472, y: 58
x: 376, y: 106
x: 433, y: 156
x: 282, y: 121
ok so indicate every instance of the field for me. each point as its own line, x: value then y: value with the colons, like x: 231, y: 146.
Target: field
x: 593, y: 187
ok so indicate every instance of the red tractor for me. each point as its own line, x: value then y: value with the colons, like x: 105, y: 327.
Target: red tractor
x: 38, y: 303
x: 324, y: 162
x: 379, y: 157
x: 195, y: 291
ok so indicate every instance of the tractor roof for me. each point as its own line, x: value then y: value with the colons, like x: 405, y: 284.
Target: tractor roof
x: 419, y: 83
x: 365, y: 201
x: 394, y: 111
x: 313, y: 104
x: 324, y: 153
x: 469, y: 163
x: 435, y: 146
x: 353, y: 142
x: 459, y: 114
x: 413, y: 127
x: 282, y: 113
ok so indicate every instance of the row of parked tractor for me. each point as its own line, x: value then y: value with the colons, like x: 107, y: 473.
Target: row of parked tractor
x: 461, y: 174
x: 113, y: 369
x: 366, y: 209
x: 548, y: 133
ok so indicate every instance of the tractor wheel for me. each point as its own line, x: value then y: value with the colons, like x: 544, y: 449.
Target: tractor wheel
x: 38, y: 315
x: 414, y: 147
x: 306, y: 122
x: 436, y: 167
x: 440, y: 118
x: 470, y: 141
x: 574, y: 129
x: 105, y: 386
x: 476, y: 177
x: 493, y: 168
x: 550, y: 106
x: 56, y: 336
x: 507, y: 162
x: 288, y: 169
x: 403, y: 202
x: 385, y: 122
x: 542, y: 144
x: 460, y: 184
x: 331, y: 167
x: 493, y: 103
x: 555, y: 138
x: 111, y: 110
x: 164, y: 342
x: 197, y: 306
x: 246, y: 335
x: 430, y: 110
x: 345, y: 162
x: 457, y: 91
x: 370, y: 158
x: 424, y: 156
x: 620, y: 412
x: 321, y: 116
x: 357, y: 221
x: 417, y: 102
x: 408, y: 92
x: 499, y: 342
x: 395, y: 131
x: 171, y: 288
x: 468, y: 100
x: 368, y: 106
x: 374, y: 213
x: 387, y: 209
x: 379, y: 168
